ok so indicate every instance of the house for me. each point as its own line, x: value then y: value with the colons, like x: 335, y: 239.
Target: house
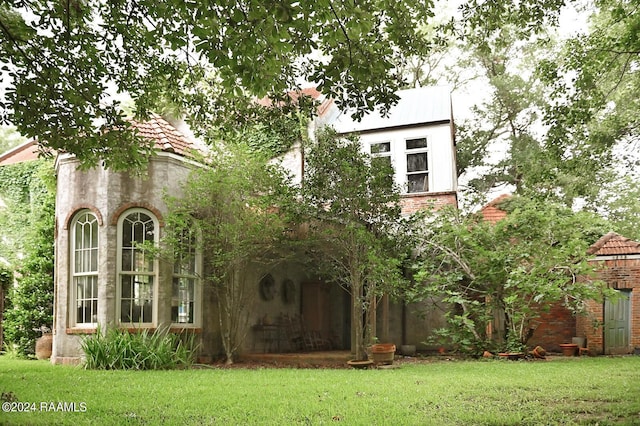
x: 613, y: 327
x: 27, y: 151
x: 103, y: 277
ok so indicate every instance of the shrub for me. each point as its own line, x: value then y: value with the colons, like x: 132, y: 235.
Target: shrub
x: 118, y: 349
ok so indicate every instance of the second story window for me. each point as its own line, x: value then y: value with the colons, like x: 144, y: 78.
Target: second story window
x: 417, y: 165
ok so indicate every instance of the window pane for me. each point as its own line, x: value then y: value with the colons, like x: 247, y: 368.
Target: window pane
x: 183, y: 300
x: 377, y: 148
x: 416, y: 143
x: 418, y: 183
x: 86, y: 299
x: 136, y: 303
x: 137, y: 228
x: 185, y: 262
x: 417, y: 162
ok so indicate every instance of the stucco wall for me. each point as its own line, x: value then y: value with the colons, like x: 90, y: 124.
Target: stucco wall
x: 107, y: 194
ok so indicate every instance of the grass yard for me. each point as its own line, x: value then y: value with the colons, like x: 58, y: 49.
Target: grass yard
x: 599, y: 390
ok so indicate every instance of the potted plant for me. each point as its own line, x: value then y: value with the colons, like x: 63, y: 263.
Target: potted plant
x: 514, y: 348
x: 44, y: 344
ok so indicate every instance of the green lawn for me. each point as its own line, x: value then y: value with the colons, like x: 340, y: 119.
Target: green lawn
x: 597, y: 390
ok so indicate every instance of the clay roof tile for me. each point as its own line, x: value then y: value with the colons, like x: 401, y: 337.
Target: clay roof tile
x: 613, y: 244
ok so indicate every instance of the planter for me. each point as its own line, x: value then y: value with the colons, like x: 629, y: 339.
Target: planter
x: 44, y: 346
x: 360, y: 364
x: 539, y: 352
x: 383, y: 353
x: 569, y: 349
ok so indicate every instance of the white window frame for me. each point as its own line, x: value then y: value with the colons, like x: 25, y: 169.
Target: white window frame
x: 427, y: 172
x: 193, y: 275
x: 84, y: 254
x: 381, y: 153
x: 136, y: 274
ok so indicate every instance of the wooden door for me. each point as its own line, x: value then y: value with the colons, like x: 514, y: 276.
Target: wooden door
x: 315, y: 308
x: 617, y: 332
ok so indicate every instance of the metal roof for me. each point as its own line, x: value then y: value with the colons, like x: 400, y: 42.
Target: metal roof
x: 418, y: 106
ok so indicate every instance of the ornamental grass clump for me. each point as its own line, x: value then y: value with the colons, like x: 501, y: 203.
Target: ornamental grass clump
x: 118, y: 349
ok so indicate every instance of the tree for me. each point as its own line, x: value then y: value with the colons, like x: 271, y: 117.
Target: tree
x: 229, y: 206
x: 620, y: 204
x: 9, y: 138
x: 63, y: 62
x: 593, y: 90
x: 352, y: 206
x: 514, y: 269
x: 507, y: 118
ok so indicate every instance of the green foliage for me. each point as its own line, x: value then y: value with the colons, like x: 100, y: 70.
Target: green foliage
x: 32, y: 300
x: 9, y: 138
x: 353, y: 209
x: 620, y: 202
x: 593, y: 90
x: 118, y: 349
x: 513, y: 269
x: 230, y: 203
x: 64, y: 60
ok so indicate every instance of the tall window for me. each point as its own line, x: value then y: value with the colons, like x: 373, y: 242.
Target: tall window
x: 137, y: 273
x: 84, y: 270
x: 417, y: 165
x: 185, y: 280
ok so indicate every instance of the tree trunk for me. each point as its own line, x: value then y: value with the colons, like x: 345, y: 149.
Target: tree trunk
x: 358, y: 313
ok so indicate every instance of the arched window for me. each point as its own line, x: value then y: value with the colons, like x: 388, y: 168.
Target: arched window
x: 185, y: 300
x: 84, y: 269
x: 137, y: 270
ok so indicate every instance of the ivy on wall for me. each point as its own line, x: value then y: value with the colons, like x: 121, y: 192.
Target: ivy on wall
x: 27, y: 243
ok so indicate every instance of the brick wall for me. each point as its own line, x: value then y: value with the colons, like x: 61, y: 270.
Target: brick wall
x: 621, y: 274
x: 589, y: 325
x: 556, y: 326
x: 413, y: 203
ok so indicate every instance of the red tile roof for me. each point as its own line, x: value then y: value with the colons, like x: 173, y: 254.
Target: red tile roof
x: 27, y: 151
x: 491, y: 213
x: 613, y: 244
x: 165, y: 136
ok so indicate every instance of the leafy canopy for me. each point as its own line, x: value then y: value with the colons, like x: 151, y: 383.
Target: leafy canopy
x: 63, y: 61
x: 228, y: 206
x: 352, y: 207
x: 513, y: 269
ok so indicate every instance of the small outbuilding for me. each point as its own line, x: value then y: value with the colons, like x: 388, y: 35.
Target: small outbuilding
x: 613, y: 327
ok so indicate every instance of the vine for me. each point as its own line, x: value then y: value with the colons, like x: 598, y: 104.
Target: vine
x: 28, y: 191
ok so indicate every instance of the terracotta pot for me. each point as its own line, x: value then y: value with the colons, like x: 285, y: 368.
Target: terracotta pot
x: 569, y: 349
x: 44, y: 346
x: 362, y: 364
x: 383, y: 353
